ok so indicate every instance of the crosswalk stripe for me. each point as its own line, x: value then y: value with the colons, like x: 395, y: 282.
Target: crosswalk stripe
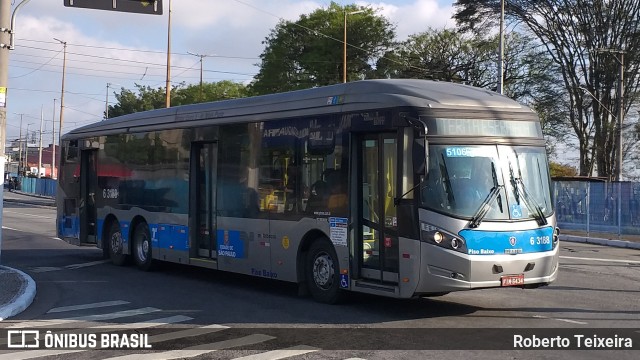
x: 198, y: 350
x: 33, y: 354
x: 100, y: 317
x: 87, y: 306
x: 186, y: 333
x: 280, y: 354
x: 146, y: 324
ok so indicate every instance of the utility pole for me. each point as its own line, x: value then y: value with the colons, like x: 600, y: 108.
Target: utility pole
x: 7, y: 31
x: 64, y: 69
x: 20, y: 147
x: 168, y: 91
x: 501, y: 51
x: 201, y: 57
x: 106, y: 104
x: 40, y: 145
x: 53, y: 143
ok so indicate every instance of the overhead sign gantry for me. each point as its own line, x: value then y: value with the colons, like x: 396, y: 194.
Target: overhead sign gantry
x: 153, y: 7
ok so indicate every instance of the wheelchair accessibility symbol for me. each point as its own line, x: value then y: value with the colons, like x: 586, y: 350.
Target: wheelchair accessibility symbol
x: 516, y: 211
x: 344, y: 281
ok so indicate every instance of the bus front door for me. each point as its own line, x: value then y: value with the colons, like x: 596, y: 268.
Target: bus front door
x: 203, y: 199
x: 377, y: 243
x: 87, y: 206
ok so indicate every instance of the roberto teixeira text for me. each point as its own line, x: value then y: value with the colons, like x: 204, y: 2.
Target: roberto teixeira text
x: 35, y: 339
x: 577, y: 341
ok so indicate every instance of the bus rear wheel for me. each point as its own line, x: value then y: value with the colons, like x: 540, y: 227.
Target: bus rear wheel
x: 322, y: 272
x: 142, y: 247
x: 115, y: 245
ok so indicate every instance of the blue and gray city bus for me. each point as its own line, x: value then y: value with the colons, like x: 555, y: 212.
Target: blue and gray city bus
x: 399, y: 188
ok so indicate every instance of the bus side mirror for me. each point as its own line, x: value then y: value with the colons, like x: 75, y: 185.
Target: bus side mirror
x: 420, y: 156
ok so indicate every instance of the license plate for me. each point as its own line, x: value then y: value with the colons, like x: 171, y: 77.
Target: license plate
x: 512, y: 280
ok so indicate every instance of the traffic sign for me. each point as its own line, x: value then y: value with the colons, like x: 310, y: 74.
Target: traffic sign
x: 153, y: 7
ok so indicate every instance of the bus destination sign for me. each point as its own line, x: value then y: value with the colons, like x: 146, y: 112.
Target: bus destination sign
x: 153, y: 7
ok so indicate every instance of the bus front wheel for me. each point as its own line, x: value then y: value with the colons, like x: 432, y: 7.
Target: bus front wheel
x: 115, y: 245
x: 322, y: 272
x: 142, y: 247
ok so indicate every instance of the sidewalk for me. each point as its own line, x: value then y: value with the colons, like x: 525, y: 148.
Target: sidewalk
x: 18, y: 291
x: 27, y: 198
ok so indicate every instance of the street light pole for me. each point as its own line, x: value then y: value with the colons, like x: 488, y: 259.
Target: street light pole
x: 344, y: 44
x: 64, y: 69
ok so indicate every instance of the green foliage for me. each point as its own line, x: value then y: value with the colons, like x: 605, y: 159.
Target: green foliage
x: 147, y: 98
x: 558, y: 170
x: 309, y: 52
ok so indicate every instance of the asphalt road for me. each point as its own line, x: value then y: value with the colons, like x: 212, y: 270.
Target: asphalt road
x: 218, y: 315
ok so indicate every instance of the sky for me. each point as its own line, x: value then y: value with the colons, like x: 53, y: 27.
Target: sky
x: 107, y: 50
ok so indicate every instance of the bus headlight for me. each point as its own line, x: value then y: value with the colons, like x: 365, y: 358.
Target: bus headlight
x: 556, y: 234
x: 436, y: 236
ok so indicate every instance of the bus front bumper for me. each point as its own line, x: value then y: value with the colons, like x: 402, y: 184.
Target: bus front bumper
x: 447, y: 270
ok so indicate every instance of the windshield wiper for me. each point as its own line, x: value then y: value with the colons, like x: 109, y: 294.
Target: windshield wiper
x: 484, y: 208
x: 520, y: 191
x: 447, y: 182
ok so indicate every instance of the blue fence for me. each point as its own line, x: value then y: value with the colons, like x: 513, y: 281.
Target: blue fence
x: 44, y: 187
x: 607, y: 207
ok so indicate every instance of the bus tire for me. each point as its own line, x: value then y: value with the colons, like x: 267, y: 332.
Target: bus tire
x: 322, y: 272
x: 115, y: 245
x: 142, y: 247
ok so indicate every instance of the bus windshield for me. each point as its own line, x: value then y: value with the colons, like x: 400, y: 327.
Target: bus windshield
x: 464, y: 181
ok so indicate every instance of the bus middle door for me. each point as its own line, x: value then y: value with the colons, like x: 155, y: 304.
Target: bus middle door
x: 377, y: 243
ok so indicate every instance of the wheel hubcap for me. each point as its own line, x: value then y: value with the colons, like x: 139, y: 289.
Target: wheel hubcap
x: 143, y: 248
x: 116, y: 243
x: 323, y: 271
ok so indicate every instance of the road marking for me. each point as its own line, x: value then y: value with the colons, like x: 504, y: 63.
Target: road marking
x: 198, y: 350
x: 115, y: 315
x: 92, y: 263
x: 280, y: 354
x: 565, y: 320
x: 599, y: 259
x: 101, y: 317
x: 8, y: 228
x: 87, y: 306
x: 41, y: 269
x: 146, y: 324
x: 31, y: 215
x: 187, y: 333
x: 32, y: 354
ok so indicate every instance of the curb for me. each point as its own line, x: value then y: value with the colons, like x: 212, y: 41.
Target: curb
x: 23, y: 298
x: 598, y: 241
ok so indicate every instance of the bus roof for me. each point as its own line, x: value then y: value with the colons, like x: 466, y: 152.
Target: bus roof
x: 347, y: 97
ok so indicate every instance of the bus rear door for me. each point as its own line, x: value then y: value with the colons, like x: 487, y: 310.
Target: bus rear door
x: 87, y: 204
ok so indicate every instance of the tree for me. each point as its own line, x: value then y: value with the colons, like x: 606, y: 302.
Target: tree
x: 149, y: 99
x: 450, y: 55
x: 581, y: 37
x: 309, y: 52
x: 557, y: 169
